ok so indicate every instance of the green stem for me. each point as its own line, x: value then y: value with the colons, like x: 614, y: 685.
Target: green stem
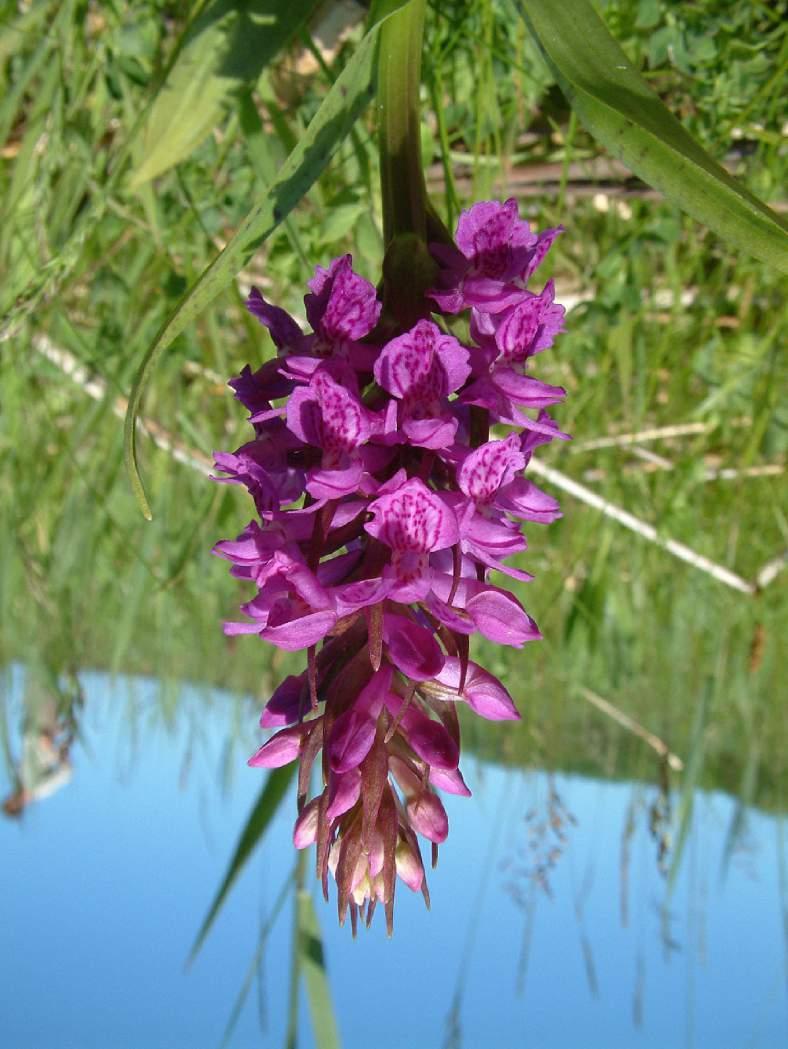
x: 399, y: 80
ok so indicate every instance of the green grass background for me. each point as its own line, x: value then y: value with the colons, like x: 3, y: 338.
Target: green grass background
x: 670, y: 326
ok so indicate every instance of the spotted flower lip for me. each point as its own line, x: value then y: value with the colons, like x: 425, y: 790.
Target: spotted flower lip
x: 412, y: 519
x: 490, y: 477
x: 530, y: 326
x: 488, y: 468
x: 496, y: 254
x: 327, y: 415
x: 420, y: 369
x: 387, y: 476
x: 341, y: 307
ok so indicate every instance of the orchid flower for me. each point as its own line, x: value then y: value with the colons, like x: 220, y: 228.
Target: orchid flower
x: 383, y: 572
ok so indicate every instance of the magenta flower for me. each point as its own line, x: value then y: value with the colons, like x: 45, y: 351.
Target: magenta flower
x: 491, y: 478
x: 328, y: 416
x: 383, y: 571
x: 413, y: 522
x: 497, y: 255
x: 421, y: 368
x: 342, y: 308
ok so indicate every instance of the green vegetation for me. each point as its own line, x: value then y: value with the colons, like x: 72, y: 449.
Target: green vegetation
x: 671, y: 326
x: 139, y: 140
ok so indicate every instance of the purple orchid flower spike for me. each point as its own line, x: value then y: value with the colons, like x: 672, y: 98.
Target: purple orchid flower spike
x: 383, y: 505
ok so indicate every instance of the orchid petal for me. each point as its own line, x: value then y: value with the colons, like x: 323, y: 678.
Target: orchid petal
x: 350, y: 740
x: 428, y: 739
x: 411, y: 648
x: 409, y: 866
x: 413, y: 518
x: 300, y: 632
x: 449, y: 780
x: 305, y: 829
x: 341, y: 304
x: 490, y: 466
x: 428, y: 817
x: 423, y: 362
x: 483, y: 691
x: 344, y: 790
x: 501, y: 617
x: 284, y: 706
x: 280, y: 749
x: 284, y: 330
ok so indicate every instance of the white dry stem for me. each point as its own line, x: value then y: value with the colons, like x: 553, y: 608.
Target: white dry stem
x: 96, y: 388
x: 673, y: 760
x: 653, y: 462
x: 769, y: 572
x: 659, y: 433
x: 658, y: 461
x: 642, y: 528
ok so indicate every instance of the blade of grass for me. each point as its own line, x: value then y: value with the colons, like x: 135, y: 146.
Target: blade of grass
x: 264, y: 166
x: 313, y: 966
x: 13, y: 35
x: 623, y: 113
x: 331, y: 124
x: 291, y: 1032
x: 256, y: 962
x: 225, y: 48
x: 256, y: 826
x: 13, y: 100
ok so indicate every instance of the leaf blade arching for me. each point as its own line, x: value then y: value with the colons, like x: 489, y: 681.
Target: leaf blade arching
x: 343, y: 104
x: 622, y: 112
x: 226, y: 48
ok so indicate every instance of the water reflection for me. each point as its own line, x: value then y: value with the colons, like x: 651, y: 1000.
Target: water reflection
x: 554, y: 923
x: 48, y: 726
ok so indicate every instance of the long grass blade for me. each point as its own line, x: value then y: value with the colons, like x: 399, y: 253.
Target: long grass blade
x: 256, y: 826
x: 623, y: 113
x: 331, y: 124
x: 313, y: 967
x: 690, y: 780
x: 257, y: 960
x: 227, y: 47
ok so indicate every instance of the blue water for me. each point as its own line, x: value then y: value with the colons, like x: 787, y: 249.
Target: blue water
x: 104, y: 884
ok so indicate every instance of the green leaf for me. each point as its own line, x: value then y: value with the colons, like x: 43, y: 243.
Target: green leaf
x: 339, y: 111
x: 341, y: 219
x: 624, y: 114
x: 226, y: 48
x: 313, y: 967
x: 259, y: 820
x: 257, y: 960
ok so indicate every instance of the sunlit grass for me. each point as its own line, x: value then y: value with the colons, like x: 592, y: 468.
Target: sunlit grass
x: 671, y: 328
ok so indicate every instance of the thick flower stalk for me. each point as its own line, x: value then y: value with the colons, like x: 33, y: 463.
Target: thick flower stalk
x: 383, y: 508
